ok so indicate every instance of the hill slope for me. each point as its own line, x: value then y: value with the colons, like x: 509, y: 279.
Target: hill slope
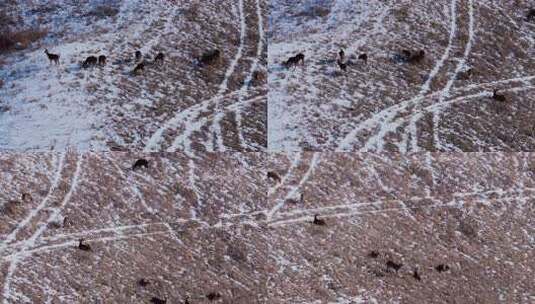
x: 391, y: 105
x: 178, y: 105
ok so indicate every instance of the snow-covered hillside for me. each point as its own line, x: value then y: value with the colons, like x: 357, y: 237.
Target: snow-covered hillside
x: 178, y: 105
x: 389, y: 105
x: 181, y: 224
x: 473, y: 213
x: 217, y: 223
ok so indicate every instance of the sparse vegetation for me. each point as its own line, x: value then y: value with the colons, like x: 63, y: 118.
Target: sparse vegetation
x: 19, y: 40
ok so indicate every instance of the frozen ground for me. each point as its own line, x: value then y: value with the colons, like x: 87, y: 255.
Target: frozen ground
x: 175, y: 106
x: 215, y: 223
x: 387, y: 105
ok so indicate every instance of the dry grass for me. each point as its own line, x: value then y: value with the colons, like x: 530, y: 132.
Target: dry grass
x: 10, y: 40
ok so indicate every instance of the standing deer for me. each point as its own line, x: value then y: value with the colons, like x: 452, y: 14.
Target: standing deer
x: 52, y: 57
x: 531, y: 15
x: 102, y: 60
x: 140, y: 67
x: 317, y: 221
x: 341, y: 54
x: 393, y: 265
x: 82, y: 246
x: 140, y: 163
x: 156, y: 300
x: 498, y: 97
x: 138, y: 55
x: 295, y: 60
x: 342, y: 65
x: 210, y: 57
x: 90, y: 61
x: 363, y: 57
x: 274, y: 176
x: 416, y: 275
x: 159, y: 58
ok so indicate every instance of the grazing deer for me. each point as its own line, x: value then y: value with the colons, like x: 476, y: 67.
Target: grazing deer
x: 26, y: 197
x: 393, y: 265
x: 373, y: 254
x: 213, y: 296
x: 531, y: 15
x: 90, y: 61
x: 417, y: 57
x: 138, y: 55
x: 140, y: 163
x: 466, y: 74
x: 274, y: 176
x: 140, y: 67
x: 156, y: 300
x: 319, y: 222
x: 343, y: 66
x: 102, y: 60
x: 363, y: 57
x: 295, y: 60
x: 159, y: 58
x: 52, y: 57
x: 341, y: 54
x: 406, y: 54
x: 143, y: 283
x: 498, y: 97
x: 416, y: 275
x: 442, y: 268
x: 82, y: 246
x: 210, y: 57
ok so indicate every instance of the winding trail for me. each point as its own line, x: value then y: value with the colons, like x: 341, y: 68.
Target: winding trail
x: 28, y: 243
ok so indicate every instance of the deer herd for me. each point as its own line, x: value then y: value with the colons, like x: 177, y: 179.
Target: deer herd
x: 208, y: 58
x: 404, y: 56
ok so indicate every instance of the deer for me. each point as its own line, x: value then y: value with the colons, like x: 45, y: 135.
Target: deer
x: 140, y: 163
x: 26, y: 197
x: 319, y: 222
x: 373, y: 254
x: 82, y: 246
x: 210, y: 57
x: 530, y: 15
x: 140, y: 67
x: 213, y: 296
x: 159, y: 58
x: 341, y: 54
x: 416, y: 275
x: 363, y: 57
x: 138, y: 55
x: 295, y: 60
x: 156, y: 300
x: 143, y: 283
x: 102, y: 60
x: 53, y: 58
x: 274, y: 176
x: 342, y: 65
x: 393, y: 265
x: 414, y: 58
x: 90, y: 61
x: 498, y: 97
x: 442, y: 268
